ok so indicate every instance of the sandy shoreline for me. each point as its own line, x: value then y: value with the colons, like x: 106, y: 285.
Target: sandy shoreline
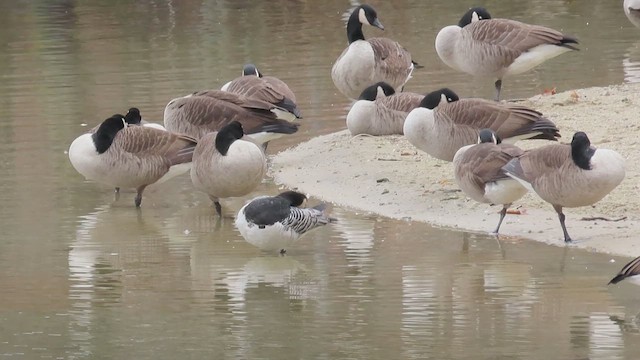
x: 389, y: 177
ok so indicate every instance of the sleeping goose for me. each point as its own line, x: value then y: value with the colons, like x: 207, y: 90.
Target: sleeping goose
x: 630, y: 271
x: 225, y: 165
x: 478, y: 172
x: 277, y: 222
x: 130, y: 156
x: 444, y: 123
x: 482, y: 46
x: 266, y: 88
x: 366, y: 62
x: 206, y: 111
x: 381, y: 111
x: 568, y: 175
x: 632, y: 10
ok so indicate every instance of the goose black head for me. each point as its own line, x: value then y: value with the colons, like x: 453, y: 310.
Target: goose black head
x: 378, y: 89
x: 103, y: 137
x: 435, y: 98
x: 363, y: 14
x: 294, y: 198
x: 474, y: 14
x: 581, y: 150
x: 133, y: 116
x: 488, y: 136
x: 250, y: 69
x: 227, y: 135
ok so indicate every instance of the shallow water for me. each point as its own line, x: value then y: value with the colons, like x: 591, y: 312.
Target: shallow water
x: 83, y: 276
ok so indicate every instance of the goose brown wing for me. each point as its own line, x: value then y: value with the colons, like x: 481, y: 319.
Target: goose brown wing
x: 402, y: 101
x: 506, y: 120
x: 253, y: 87
x: 539, y: 162
x: 513, y: 35
x: 148, y: 142
x: 390, y: 56
x: 235, y: 99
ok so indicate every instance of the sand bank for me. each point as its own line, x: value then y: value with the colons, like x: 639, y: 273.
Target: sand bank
x: 389, y: 177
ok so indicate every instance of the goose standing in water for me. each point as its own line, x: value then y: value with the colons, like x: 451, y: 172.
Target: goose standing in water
x: 225, y: 165
x: 266, y: 88
x: 277, y: 222
x: 630, y: 271
x: 443, y: 123
x: 366, y: 62
x: 207, y: 111
x: 478, y: 172
x: 130, y: 156
x: 568, y: 175
x: 482, y: 46
x: 381, y: 111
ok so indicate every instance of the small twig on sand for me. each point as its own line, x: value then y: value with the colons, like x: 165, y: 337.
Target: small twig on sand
x: 591, y: 218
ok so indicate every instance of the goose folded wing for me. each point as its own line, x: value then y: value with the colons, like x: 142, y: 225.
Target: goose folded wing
x: 150, y: 142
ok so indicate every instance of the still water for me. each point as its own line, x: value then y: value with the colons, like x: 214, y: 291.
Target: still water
x: 82, y: 276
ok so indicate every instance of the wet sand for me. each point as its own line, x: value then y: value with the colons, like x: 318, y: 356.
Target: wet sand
x: 388, y: 176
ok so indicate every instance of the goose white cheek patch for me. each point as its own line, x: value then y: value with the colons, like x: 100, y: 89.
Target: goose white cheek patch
x: 363, y: 17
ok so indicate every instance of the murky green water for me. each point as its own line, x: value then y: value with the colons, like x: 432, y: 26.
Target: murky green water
x: 84, y: 277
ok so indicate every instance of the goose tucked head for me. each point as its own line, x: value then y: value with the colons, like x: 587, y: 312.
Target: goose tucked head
x: 103, y: 138
x: 474, y: 14
x: 379, y: 89
x: 250, y: 69
x: 488, y: 136
x: 363, y: 14
x: 133, y: 116
x: 440, y: 96
x: 581, y: 150
x: 294, y: 198
x: 227, y: 135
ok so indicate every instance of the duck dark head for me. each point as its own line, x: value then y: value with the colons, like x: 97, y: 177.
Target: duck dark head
x: 488, y: 136
x: 378, y: 89
x: 581, y: 150
x: 294, y: 198
x: 363, y: 14
x: 103, y: 137
x: 435, y: 98
x: 250, y: 69
x: 133, y: 117
x: 227, y: 135
x: 474, y: 14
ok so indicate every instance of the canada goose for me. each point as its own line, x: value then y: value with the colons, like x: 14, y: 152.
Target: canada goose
x: 365, y: 62
x: 206, y: 111
x: 444, y: 123
x: 381, y: 111
x: 276, y: 222
x: 130, y: 156
x: 632, y: 10
x: 482, y: 46
x: 568, y: 175
x: 224, y: 165
x: 266, y: 88
x: 630, y: 271
x: 478, y: 172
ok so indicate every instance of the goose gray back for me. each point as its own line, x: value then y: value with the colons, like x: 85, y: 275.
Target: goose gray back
x: 207, y: 111
x: 270, y: 89
x: 443, y: 123
x: 572, y: 175
x: 482, y: 46
x: 366, y: 62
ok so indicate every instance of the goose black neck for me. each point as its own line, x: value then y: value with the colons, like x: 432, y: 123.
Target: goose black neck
x: 581, y: 151
x: 226, y: 136
x: 354, y: 27
x: 106, y: 133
